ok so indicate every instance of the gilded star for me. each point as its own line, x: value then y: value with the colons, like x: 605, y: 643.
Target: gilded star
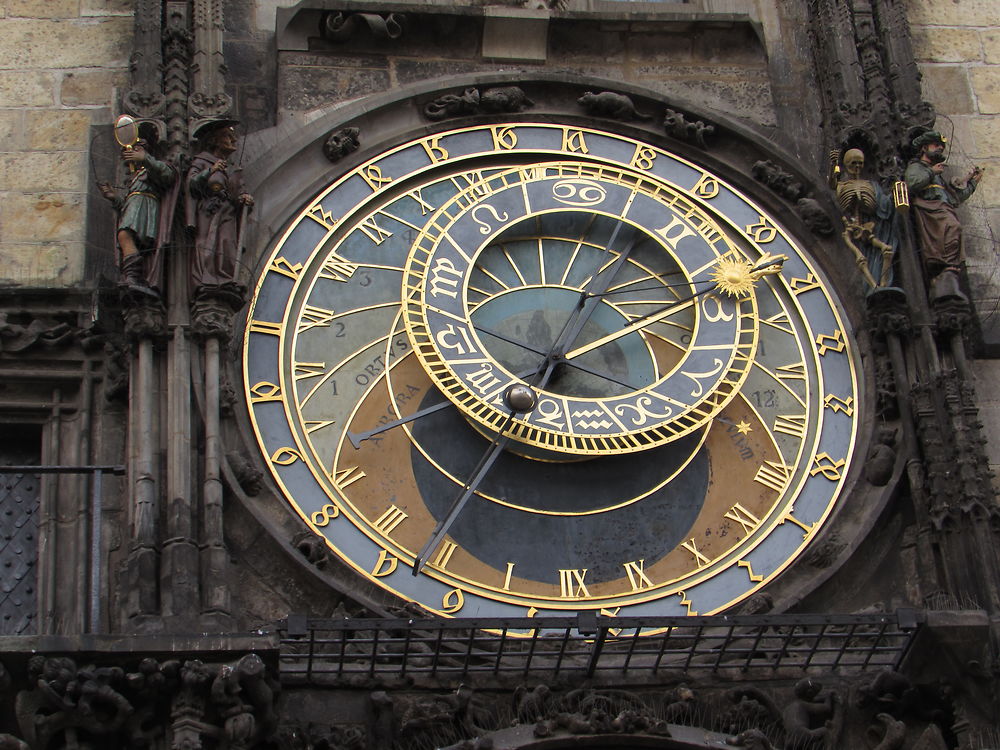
x: 744, y: 427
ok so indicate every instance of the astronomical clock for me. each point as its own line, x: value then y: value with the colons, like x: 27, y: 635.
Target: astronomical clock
x: 526, y: 367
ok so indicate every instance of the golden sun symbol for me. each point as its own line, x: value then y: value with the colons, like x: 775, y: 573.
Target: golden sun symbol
x: 736, y: 277
x: 733, y: 277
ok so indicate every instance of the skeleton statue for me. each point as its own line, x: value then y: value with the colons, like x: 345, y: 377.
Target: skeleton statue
x: 868, y: 218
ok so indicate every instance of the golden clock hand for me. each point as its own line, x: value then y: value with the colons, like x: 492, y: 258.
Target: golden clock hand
x: 576, y: 365
x: 521, y: 400
x: 590, y: 297
x: 635, y: 325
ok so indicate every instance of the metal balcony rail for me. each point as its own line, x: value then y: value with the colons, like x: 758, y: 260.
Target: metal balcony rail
x: 96, y: 494
x: 322, y: 650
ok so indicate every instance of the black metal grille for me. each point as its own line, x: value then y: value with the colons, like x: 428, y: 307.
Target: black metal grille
x: 316, y: 651
x: 19, y: 495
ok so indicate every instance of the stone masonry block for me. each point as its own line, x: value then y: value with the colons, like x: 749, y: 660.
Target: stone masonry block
x: 986, y: 87
x: 28, y: 43
x: 107, y: 7
x: 946, y: 45
x: 32, y: 88
x: 991, y: 45
x: 82, y: 88
x: 58, y: 129
x: 47, y: 9
x: 42, y: 264
x: 985, y: 137
x: 41, y: 171
x: 41, y: 217
x: 948, y: 87
x: 952, y: 12
x: 11, y: 128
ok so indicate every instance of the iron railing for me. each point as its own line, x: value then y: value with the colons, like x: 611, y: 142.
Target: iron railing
x: 322, y: 650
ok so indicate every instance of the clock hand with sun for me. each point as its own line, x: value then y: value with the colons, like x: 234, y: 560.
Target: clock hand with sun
x: 736, y: 280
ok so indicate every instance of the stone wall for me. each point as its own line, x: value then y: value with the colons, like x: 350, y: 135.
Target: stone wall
x: 60, y: 61
x: 958, y: 47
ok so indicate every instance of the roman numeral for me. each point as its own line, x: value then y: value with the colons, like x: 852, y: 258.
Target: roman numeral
x: 571, y: 584
x: 743, y: 517
x: 445, y: 551
x: 791, y: 424
x: 313, y: 317
x: 336, y: 268
x: 346, y: 477
x: 792, y: 372
x: 637, y: 576
x: 302, y: 370
x: 388, y: 521
x: 691, y: 547
x: 773, y: 475
x: 375, y: 233
x: 265, y: 326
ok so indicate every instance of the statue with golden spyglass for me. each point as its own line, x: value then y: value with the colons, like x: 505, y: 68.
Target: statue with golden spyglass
x: 140, y: 229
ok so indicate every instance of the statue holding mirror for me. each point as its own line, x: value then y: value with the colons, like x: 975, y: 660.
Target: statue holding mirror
x: 141, y: 227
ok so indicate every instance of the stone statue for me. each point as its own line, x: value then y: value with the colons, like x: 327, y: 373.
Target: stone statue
x: 217, y: 206
x: 143, y: 225
x: 809, y: 718
x: 935, y: 201
x: 869, y: 218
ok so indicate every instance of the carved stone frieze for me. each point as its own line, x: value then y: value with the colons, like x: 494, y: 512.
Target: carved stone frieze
x: 66, y: 704
x: 25, y: 331
x: 690, y: 131
x: 338, y: 26
x: 497, y: 100
x: 611, y: 105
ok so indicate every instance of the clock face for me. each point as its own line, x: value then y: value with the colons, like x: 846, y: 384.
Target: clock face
x: 683, y: 426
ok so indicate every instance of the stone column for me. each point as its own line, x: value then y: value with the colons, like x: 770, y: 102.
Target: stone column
x: 144, y: 322
x: 212, y: 317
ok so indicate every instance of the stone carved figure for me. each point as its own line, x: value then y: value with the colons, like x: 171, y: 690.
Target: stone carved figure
x: 217, y: 206
x: 145, y: 212
x: 340, y: 143
x: 869, y: 218
x: 612, y: 105
x: 693, y: 131
x: 809, y: 718
x: 499, y: 100
x: 74, y: 703
x: 935, y: 202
